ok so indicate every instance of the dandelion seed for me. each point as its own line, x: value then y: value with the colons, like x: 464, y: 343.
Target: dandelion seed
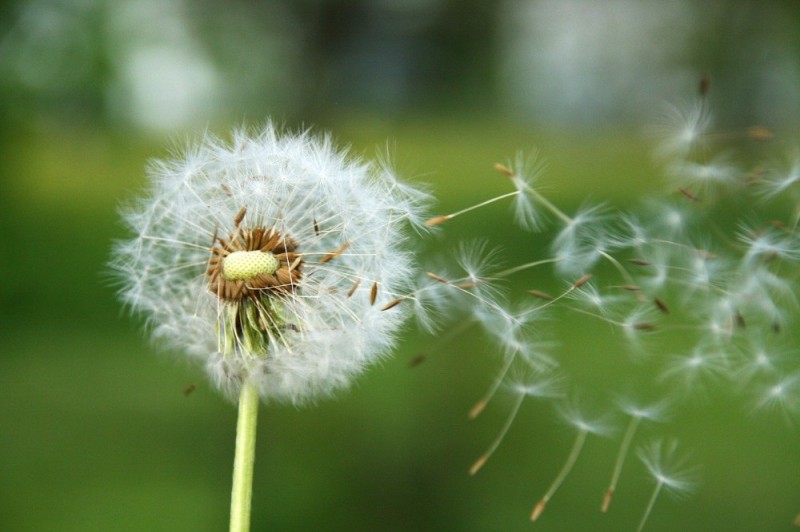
x: 637, y: 414
x: 436, y: 220
x: 779, y: 394
x: 477, y: 262
x: 703, y: 365
x: 587, y: 296
x: 768, y: 244
x: 784, y: 178
x: 547, y: 385
x: 681, y: 130
x: 705, y: 175
x: 541, y: 295
x: 510, y: 328
x: 669, y: 470
x: 583, y: 240
x: 688, y: 194
x: 584, y: 427
x: 528, y: 170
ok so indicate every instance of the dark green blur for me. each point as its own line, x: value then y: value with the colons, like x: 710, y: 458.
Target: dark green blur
x: 97, y: 432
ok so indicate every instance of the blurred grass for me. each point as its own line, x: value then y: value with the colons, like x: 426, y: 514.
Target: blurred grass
x: 97, y: 434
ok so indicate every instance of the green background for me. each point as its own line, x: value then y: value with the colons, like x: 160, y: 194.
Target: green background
x: 97, y: 434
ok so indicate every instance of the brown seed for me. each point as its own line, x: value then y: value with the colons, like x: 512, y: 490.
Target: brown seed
x: 541, y: 295
x: 705, y: 84
x: 631, y: 287
x: 330, y: 256
x: 661, y: 305
x: 373, y: 293
x: 393, y: 303
x: 239, y: 216
x: 689, y: 194
x: 416, y: 360
x: 437, y: 278
x: 436, y: 220
x: 316, y: 227
x: 582, y: 281
x: 478, y: 464
x: 503, y: 169
x: 760, y: 133
x: 639, y: 262
x: 353, y: 288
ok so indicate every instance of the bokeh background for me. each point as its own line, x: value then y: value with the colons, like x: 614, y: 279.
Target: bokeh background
x: 96, y: 432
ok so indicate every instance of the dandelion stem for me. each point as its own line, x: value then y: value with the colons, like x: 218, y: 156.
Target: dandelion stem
x: 650, y: 505
x: 623, y: 452
x: 567, y: 467
x: 242, y: 491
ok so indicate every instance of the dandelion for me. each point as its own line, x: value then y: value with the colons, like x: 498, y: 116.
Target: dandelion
x: 669, y: 470
x: 277, y: 262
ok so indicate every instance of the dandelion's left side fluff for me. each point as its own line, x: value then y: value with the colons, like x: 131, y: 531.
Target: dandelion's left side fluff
x: 272, y: 259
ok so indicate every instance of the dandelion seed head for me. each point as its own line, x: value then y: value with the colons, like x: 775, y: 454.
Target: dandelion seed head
x: 269, y: 259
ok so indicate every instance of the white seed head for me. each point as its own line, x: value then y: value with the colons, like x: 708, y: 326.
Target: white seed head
x: 246, y: 255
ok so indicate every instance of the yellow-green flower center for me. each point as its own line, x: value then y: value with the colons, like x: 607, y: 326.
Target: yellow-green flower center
x: 241, y: 265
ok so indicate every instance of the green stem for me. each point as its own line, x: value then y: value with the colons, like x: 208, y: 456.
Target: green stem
x: 242, y: 490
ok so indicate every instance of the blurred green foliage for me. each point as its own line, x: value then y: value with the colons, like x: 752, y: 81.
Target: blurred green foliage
x: 98, y: 435
x: 96, y: 432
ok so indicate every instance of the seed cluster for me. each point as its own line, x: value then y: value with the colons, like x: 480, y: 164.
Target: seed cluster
x: 244, y: 265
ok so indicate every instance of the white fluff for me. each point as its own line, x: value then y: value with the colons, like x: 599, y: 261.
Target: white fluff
x: 301, y: 185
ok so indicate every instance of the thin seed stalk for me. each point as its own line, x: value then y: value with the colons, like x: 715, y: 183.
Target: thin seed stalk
x: 547, y: 204
x: 623, y: 452
x: 650, y: 505
x: 242, y: 490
